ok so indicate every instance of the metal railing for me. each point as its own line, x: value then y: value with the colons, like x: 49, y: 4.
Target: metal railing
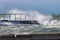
x: 12, y: 16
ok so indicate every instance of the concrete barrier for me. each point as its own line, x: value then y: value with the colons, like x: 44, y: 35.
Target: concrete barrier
x: 39, y: 36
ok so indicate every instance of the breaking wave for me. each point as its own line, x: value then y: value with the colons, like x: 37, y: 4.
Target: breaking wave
x: 46, y: 20
x: 47, y: 23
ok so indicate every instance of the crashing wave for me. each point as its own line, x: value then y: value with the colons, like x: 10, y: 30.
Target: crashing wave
x: 46, y: 20
x: 48, y: 24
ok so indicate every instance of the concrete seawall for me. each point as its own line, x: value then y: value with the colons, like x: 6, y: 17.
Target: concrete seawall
x: 39, y: 36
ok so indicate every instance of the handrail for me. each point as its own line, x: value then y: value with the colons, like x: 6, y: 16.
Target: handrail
x: 12, y: 16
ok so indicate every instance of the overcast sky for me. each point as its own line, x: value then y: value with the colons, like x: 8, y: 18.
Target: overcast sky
x: 31, y: 1
x: 44, y: 6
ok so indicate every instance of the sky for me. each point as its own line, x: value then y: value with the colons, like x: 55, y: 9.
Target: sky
x: 43, y: 6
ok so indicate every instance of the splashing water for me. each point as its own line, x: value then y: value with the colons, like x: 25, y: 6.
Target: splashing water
x: 48, y: 24
x: 46, y: 20
x: 32, y: 15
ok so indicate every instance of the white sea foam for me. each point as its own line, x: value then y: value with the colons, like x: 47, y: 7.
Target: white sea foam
x: 47, y: 21
x: 35, y: 15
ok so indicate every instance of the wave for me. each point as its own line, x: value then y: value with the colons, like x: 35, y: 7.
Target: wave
x: 44, y: 19
x: 48, y: 24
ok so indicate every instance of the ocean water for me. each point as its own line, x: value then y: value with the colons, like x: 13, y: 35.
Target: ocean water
x: 25, y: 29
x: 47, y: 23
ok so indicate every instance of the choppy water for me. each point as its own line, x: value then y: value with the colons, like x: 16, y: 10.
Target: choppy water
x: 47, y: 21
x: 24, y: 28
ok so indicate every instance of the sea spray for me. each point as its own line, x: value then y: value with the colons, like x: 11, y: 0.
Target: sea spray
x: 46, y: 20
x: 33, y: 15
x: 48, y: 23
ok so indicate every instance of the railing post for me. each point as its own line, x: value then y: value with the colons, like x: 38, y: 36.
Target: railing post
x: 3, y: 16
x: 20, y: 16
x: 9, y: 16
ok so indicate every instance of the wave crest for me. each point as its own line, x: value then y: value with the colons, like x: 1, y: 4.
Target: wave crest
x: 35, y: 15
